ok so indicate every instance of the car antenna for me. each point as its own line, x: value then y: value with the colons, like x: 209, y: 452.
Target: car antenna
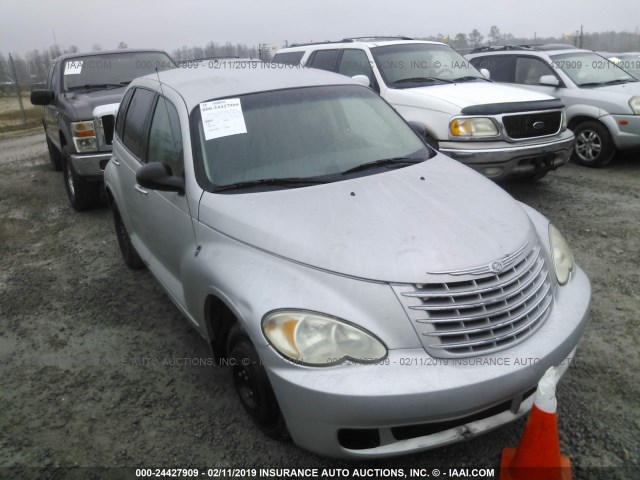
x: 181, y: 152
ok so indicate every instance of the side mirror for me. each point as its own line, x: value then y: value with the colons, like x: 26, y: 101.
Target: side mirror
x: 486, y: 73
x: 549, y: 80
x: 156, y: 176
x: 418, y: 128
x: 362, y: 79
x: 42, y: 97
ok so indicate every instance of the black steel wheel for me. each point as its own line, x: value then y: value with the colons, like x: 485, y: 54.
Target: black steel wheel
x: 253, y: 387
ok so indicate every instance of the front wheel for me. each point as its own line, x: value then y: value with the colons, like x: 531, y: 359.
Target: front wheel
x: 593, y: 147
x: 253, y: 387
x: 128, y: 251
x: 83, y: 195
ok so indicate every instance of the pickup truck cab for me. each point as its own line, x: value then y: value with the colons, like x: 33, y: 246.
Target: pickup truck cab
x: 77, y: 113
x: 501, y: 131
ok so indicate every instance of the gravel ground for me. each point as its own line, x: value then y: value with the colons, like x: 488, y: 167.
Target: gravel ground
x: 88, y: 347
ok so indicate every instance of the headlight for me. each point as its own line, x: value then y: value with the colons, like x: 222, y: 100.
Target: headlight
x: 319, y: 340
x: 561, y: 254
x: 473, y: 127
x: 634, y: 103
x: 84, y: 136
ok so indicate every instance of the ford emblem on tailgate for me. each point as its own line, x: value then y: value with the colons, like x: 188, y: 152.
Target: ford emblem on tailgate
x: 538, y: 125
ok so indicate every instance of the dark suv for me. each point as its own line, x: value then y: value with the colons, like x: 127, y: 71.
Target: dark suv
x: 81, y: 96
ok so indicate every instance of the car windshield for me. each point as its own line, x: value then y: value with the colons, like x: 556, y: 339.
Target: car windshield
x: 588, y: 69
x: 408, y: 65
x: 297, y: 137
x: 111, y: 70
x: 628, y: 62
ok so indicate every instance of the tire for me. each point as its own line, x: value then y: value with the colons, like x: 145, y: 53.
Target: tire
x: 253, y: 387
x: 83, y: 195
x: 54, y: 155
x: 128, y: 251
x: 593, y: 147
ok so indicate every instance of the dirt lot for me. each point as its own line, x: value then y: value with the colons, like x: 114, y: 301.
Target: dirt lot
x: 88, y: 348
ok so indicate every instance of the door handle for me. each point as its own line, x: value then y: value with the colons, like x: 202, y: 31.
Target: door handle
x: 141, y: 190
x: 115, y: 161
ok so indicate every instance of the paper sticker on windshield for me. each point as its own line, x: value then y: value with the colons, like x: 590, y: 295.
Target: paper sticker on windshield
x: 73, y: 67
x: 222, y: 118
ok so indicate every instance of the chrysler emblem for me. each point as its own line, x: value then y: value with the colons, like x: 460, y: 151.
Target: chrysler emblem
x: 538, y: 125
x: 497, y: 267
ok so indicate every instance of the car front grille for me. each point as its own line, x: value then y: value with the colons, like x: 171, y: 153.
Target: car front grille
x: 484, y: 313
x: 531, y: 125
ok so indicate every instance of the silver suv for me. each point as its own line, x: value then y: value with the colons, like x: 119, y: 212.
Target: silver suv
x: 602, y: 100
x: 498, y: 130
x: 373, y: 297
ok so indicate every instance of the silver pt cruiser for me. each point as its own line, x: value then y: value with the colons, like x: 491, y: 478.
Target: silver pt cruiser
x: 373, y: 296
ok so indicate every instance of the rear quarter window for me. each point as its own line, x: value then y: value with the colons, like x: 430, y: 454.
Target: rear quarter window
x: 288, y: 58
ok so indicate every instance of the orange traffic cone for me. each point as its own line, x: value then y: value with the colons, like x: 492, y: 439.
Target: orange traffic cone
x: 538, y: 454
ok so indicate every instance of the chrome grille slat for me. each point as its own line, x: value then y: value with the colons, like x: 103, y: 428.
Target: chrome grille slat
x: 491, y: 325
x: 484, y: 311
x: 462, y: 293
x: 488, y: 341
x: 464, y: 306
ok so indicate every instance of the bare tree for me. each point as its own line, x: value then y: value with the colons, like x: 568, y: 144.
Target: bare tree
x: 122, y: 45
x: 475, y: 38
x: 494, y: 35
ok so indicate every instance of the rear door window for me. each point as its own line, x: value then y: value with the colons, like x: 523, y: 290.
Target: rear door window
x: 501, y: 67
x: 135, y: 122
x: 325, y: 60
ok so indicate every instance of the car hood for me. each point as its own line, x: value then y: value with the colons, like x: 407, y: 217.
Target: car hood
x: 475, y: 93
x: 84, y: 103
x: 631, y: 88
x: 393, y: 226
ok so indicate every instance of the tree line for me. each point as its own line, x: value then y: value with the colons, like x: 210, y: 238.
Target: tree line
x: 32, y: 68
x: 616, y: 42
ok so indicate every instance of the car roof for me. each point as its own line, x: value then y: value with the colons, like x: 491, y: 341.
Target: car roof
x: 201, y: 84
x: 550, y: 48
x: 67, y: 56
x: 362, y: 42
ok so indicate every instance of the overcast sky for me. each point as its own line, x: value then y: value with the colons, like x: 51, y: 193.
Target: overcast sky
x: 169, y: 24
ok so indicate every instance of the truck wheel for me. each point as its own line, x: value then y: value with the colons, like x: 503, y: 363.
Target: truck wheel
x: 83, y: 195
x: 253, y: 387
x: 128, y: 251
x: 593, y: 147
x: 54, y: 155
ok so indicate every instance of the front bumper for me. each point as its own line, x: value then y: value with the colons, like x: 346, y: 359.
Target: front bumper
x: 500, y: 160
x: 411, y: 401
x: 90, y: 165
x: 624, y: 129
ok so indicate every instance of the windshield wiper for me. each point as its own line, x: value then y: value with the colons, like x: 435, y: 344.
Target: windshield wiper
x: 98, y: 86
x: 620, y: 80
x: 469, y: 78
x: 386, y: 163
x: 591, y: 84
x: 280, y: 182
x: 420, y: 80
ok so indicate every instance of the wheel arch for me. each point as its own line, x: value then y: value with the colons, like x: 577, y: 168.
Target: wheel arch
x: 219, y: 319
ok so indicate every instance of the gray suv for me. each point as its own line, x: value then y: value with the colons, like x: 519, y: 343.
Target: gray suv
x: 602, y: 101
x: 77, y: 113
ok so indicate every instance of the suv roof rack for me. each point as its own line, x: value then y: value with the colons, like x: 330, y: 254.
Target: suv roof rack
x: 540, y: 47
x: 354, y: 39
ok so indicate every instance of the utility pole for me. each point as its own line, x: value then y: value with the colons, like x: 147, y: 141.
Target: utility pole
x: 581, y: 36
